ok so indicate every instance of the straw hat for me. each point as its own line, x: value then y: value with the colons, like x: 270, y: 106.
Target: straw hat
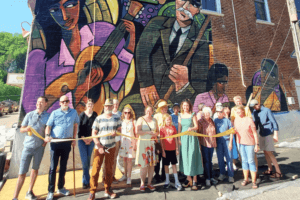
x: 161, y: 104
x: 108, y: 102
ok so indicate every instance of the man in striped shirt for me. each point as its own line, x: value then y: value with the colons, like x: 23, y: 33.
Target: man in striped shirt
x: 105, y: 124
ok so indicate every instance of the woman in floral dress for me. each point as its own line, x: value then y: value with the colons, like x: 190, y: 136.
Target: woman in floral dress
x: 146, y: 128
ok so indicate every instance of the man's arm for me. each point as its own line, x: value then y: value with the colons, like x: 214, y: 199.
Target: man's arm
x: 274, y: 124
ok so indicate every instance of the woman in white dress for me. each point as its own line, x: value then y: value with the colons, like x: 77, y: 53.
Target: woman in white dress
x: 146, y: 128
x: 128, y: 144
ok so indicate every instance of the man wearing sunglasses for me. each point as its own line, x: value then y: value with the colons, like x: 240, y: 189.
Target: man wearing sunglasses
x: 62, y: 124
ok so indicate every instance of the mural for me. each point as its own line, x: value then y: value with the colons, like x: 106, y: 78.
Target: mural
x: 266, y: 88
x: 132, y: 50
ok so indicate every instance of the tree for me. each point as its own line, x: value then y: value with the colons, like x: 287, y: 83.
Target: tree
x: 13, y: 47
x: 3, y: 76
x: 9, y: 92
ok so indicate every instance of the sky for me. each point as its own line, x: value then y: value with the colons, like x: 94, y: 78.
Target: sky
x: 12, y: 14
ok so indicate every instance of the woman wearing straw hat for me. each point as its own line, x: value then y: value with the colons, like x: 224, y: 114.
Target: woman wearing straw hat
x: 162, y: 108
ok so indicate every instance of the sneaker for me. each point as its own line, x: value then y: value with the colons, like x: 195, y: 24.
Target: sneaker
x: 151, y: 187
x: 142, y: 188
x: 214, y: 181
x: 50, y: 196
x: 30, y: 196
x: 178, y: 187
x: 63, y: 191
x: 115, y: 181
x: 207, y: 183
x: 222, y: 177
x: 123, y: 178
x: 128, y: 181
x: 231, y: 180
x: 91, y: 196
x: 166, y: 185
x: 110, y: 194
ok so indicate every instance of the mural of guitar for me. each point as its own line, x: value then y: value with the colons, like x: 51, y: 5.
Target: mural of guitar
x: 94, y: 66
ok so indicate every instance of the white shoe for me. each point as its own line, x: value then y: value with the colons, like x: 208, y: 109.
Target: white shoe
x: 214, y: 181
x: 63, y: 191
x: 128, y: 181
x: 234, y: 167
x: 123, y: 178
x: 50, y: 196
x: 221, y: 177
x: 207, y: 183
x: 231, y: 180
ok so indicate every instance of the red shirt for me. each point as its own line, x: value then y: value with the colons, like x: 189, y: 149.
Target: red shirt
x: 170, y: 143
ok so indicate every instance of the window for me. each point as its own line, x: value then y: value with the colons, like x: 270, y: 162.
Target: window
x: 262, y: 10
x: 211, y: 5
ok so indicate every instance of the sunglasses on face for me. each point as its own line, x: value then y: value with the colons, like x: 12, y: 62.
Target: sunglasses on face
x: 66, y: 101
x: 126, y: 113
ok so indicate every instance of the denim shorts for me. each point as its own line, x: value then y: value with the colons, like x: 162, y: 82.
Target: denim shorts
x: 26, y: 157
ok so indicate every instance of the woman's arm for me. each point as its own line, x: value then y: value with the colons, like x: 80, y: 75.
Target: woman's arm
x: 195, y: 127
x: 179, y: 129
x: 253, y: 128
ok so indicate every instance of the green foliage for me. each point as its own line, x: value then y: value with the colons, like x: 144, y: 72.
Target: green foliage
x: 12, y: 47
x: 3, y: 76
x: 9, y: 92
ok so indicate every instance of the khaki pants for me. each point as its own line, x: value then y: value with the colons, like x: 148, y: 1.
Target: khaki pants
x: 97, y: 163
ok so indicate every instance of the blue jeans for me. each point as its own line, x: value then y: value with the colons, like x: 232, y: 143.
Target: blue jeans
x: 85, y: 155
x: 247, y: 154
x: 207, y: 154
x: 223, y: 151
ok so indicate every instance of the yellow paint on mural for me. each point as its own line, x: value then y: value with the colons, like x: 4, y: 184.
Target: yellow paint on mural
x: 114, y: 10
x: 272, y: 102
x: 40, y: 188
x: 130, y: 78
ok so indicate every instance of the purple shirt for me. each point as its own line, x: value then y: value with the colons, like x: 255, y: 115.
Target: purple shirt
x: 209, y: 100
x: 40, y: 72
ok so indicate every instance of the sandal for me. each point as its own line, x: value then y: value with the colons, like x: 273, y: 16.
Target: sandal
x: 276, y: 175
x: 187, y: 183
x: 254, y: 186
x: 267, y: 172
x: 194, y: 187
x: 245, y: 182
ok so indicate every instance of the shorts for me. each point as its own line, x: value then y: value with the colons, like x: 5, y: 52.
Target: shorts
x: 26, y: 158
x: 170, y: 158
x: 266, y: 143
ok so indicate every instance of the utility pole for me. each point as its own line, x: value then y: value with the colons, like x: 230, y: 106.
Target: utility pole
x: 295, y: 28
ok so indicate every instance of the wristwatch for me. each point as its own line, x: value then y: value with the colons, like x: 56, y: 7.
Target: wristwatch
x: 48, y: 135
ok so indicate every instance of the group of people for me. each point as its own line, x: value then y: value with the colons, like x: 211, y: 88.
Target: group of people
x: 150, y: 139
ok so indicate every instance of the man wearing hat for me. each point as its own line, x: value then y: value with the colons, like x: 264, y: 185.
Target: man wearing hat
x: 268, y: 134
x: 161, y: 51
x: 105, y: 148
x: 174, y: 115
x: 162, y: 108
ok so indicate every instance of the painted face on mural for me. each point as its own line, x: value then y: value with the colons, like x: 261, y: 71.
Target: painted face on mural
x: 273, y: 79
x: 221, y: 84
x: 65, y: 13
x: 186, y: 10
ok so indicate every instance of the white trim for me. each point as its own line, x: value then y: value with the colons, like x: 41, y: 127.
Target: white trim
x: 210, y: 12
x: 267, y: 11
x: 259, y: 21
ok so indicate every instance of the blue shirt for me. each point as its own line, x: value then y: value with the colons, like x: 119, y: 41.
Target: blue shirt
x: 175, y: 121
x: 265, y: 120
x: 223, y: 125
x: 62, y: 123
x: 38, y: 122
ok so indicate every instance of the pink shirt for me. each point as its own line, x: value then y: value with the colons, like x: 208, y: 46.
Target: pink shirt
x: 207, y: 128
x: 244, y: 128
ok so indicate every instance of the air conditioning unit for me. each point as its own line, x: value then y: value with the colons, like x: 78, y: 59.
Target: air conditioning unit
x: 290, y: 100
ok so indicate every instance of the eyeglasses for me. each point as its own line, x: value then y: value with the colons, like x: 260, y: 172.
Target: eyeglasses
x: 223, y: 82
x: 126, y: 113
x: 66, y: 101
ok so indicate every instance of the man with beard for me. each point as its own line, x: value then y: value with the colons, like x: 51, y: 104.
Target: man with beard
x: 268, y: 134
x: 216, y: 84
x: 62, y: 124
x: 161, y: 51
x: 105, y: 147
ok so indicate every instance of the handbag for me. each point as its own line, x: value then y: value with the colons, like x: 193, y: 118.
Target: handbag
x: 158, y: 148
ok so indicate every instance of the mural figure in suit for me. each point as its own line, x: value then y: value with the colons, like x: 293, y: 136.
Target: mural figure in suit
x: 161, y: 51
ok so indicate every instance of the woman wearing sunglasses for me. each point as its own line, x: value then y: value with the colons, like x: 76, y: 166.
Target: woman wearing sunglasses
x: 128, y: 144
